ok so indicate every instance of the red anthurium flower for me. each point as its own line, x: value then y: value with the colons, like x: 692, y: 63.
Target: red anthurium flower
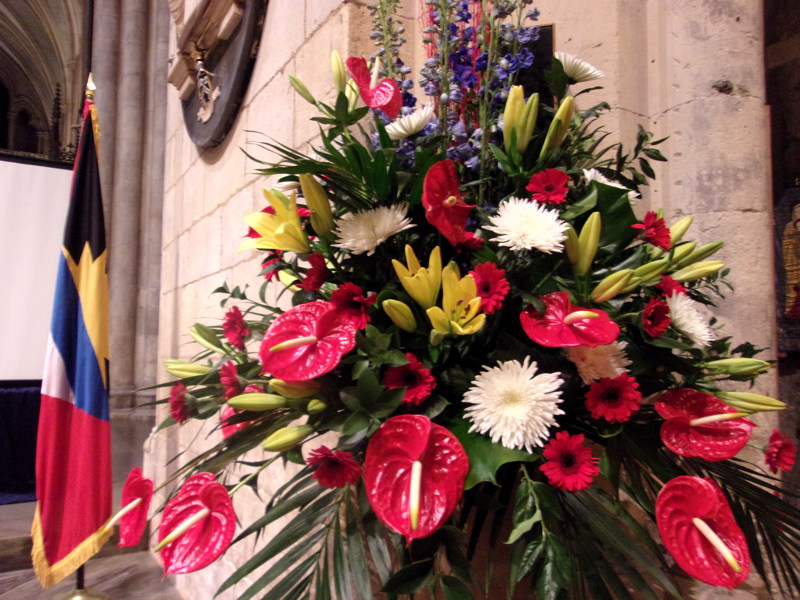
x: 385, y: 95
x: 781, y: 452
x: 614, y: 399
x: 228, y: 429
x: 699, y: 531
x: 317, y: 273
x: 234, y: 328
x: 655, y: 317
x: 570, y: 465
x: 563, y: 325
x: 334, y: 468
x: 136, y: 493
x: 414, y: 474
x: 445, y: 209
x: 700, y: 424
x: 668, y: 286
x: 351, y: 300
x: 655, y: 231
x: 549, y: 186
x: 306, y: 342
x: 197, y: 525
x: 491, y: 284
x: 417, y: 380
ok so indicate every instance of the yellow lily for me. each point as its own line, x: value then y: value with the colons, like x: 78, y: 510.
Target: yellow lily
x: 421, y: 284
x: 460, y: 305
x: 281, y: 231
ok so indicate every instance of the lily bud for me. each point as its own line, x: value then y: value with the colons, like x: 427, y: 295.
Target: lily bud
x: 301, y: 89
x: 512, y: 114
x: 400, y: 314
x: 352, y: 93
x: 701, y: 253
x: 632, y: 284
x: 587, y: 243
x: 295, y: 389
x: 611, y: 285
x: 182, y: 369
x: 698, y: 270
x: 315, y: 407
x: 559, y: 127
x: 571, y: 244
x: 651, y: 269
x: 750, y: 402
x: 528, y: 121
x: 681, y: 252
x: 257, y: 402
x: 339, y: 74
x: 679, y: 228
x: 317, y: 202
x: 203, y: 335
x: 286, y: 438
x: 738, y: 366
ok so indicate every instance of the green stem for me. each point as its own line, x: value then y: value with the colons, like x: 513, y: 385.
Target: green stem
x: 252, y: 475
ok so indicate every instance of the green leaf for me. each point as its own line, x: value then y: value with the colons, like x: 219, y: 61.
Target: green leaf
x: 284, y: 564
x: 455, y: 589
x: 524, y: 527
x: 341, y: 570
x: 410, y: 578
x: 485, y: 457
x: 584, y: 205
x: 355, y: 423
x: 356, y: 555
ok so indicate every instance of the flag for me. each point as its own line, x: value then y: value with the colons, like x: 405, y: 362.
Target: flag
x: 73, y: 451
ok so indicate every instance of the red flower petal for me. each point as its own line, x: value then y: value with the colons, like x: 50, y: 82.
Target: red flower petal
x: 334, y: 468
x: 781, y: 452
x: 206, y: 540
x: 548, y: 186
x: 685, y: 498
x: 551, y: 330
x: 335, y: 333
x: 715, y: 441
x: 445, y: 209
x: 391, y: 453
x: 417, y: 380
x: 132, y: 524
x: 385, y: 95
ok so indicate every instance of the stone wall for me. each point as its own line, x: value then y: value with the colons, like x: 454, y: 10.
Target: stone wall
x: 667, y: 65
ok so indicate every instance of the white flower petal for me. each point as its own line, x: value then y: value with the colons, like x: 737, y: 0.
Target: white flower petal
x: 513, y: 404
x: 595, y: 175
x: 365, y: 230
x: 410, y: 124
x: 688, y: 320
x: 525, y: 225
x: 576, y: 69
x: 600, y: 362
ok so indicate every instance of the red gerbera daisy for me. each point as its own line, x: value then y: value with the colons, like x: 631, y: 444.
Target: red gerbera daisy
x: 655, y: 230
x: 492, y: 286
x: 351, y: 300
x: 317, y: 273
x: 549, y: 186
x: 334, y: 468
x: 177, y: 403
x: 570, y: 466
x: 417, y: 380
x: 781, y: 452
x: 655, y: 317
x: 445, y: 209
x: 229, y: 378
x: 614, y: 400
x: 235, y: 328
x: 668, y: 286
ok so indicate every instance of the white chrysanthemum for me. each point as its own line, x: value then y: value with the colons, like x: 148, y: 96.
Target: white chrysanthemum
x: 513, y: 404
x: 365, y: 230
x: 524, y: 225
x: 286, y: 187
x: 410, y: 124
x: 600, y: 362
x: 595, y: 175
x: 688, y: 320
x: 576, y: 69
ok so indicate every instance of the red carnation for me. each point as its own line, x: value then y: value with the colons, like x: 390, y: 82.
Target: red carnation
x: 270, y: 267
x: 385, y: 95
x: 570, y: 466
x: 492, y: 286
x: 549, y: 186
x: 417, y: 380
x: 235, y: 328
x: 781, y: 452
x: 614, y: 400
x: 177, y: 403
x: 655, y: 317
x: 445, y: 209
x: 668, y: 286
x: 351, y: 300
x: 229, y: 378
x: 334, y: 468
x: 317, y: 273
x: 655, y: 231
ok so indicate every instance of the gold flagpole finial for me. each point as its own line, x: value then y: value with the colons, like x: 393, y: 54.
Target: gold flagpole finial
x: 90, y: 87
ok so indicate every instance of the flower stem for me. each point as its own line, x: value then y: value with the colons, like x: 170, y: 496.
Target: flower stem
x: 250, y: 477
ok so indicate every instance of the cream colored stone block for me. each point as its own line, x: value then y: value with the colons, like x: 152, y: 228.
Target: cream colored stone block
x: 271, y: 115
x: 225, y: 166
x: 283, y: 34
x: 233, y: 228
x: 191, y: 206
x: 318, y: 12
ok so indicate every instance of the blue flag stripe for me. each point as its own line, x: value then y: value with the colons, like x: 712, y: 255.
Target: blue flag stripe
x: 73, y: 343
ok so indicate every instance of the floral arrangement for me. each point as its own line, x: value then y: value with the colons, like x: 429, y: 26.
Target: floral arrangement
x: 516, y: 374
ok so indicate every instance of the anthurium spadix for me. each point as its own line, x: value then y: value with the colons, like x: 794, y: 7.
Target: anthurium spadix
x: 414, y: 474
